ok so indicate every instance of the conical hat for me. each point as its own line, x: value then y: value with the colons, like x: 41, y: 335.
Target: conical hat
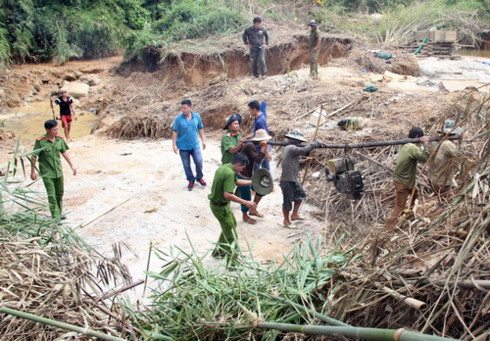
x: 262, y: 182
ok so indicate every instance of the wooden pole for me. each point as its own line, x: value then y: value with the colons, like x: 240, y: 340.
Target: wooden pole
x: 314, y: 138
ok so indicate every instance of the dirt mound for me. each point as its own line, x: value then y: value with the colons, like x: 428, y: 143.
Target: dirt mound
x: 37, y: 82
x: 401, y: 63
x: 201, y: 65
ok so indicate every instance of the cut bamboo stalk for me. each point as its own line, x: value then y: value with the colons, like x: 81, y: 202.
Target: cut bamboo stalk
x: 103, y: 214
x: 412, y: 302
x: 319, y: 316
x: 120, y: 290
x: 59, y: 324
x: 464, y: 284
x: 374, y: 334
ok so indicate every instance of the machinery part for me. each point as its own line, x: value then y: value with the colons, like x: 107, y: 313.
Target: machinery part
x: 347, y: 180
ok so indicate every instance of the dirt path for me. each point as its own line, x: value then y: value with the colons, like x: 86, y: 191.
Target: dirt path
x: 161, y: 210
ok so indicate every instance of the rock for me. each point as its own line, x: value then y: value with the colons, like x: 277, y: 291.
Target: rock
x: 90, y: 80
x: 37, y: 87
x: 69, y: 77
x: 78, y: 74
x: 45, y: 81
x: 2, y: 94
x: 76, y: 89
x: 405, y: 64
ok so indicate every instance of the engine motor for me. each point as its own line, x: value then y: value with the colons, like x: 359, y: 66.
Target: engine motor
x: 346, y: 179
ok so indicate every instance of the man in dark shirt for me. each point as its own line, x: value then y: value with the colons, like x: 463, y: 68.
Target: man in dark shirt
x: 259, y: 112
x: 66, y: 111
x: 254, y: 37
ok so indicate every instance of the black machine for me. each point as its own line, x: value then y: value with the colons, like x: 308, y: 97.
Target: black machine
x: 346, y: 179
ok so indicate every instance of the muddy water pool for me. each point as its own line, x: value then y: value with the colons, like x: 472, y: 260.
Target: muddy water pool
x: 473, y: 53
x: 27, y: 121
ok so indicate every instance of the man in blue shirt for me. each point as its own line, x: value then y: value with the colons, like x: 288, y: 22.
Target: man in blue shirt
x: 259, y: 112
x: 185, y: 130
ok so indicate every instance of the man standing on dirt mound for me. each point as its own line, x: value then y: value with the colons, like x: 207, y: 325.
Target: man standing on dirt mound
x: 254, y: 37
x: 314, y: 46
x: 185, y: 130
x: 405, y: 173
x: 48, y: 149
x: 66, y: 111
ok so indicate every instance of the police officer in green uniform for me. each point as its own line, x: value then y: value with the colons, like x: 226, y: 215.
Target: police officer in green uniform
x: 221, y: 194
x: 231, y: 141
x: 47, y: 149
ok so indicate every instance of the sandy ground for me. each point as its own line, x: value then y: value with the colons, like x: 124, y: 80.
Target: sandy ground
x: 160, y: 209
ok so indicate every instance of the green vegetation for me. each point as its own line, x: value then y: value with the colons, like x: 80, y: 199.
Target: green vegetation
x: 41, y: 30
x: 59, y: 30
x: 196, y: 301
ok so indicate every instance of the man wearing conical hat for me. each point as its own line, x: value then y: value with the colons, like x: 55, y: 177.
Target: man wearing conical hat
x: 442, y: 165
x: 293, y: 193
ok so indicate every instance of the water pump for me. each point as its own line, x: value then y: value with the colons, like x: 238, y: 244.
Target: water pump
x: 346, y: 179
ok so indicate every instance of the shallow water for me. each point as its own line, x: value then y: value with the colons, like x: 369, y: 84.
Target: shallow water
x: 27, y: 122
x: 473, y: 53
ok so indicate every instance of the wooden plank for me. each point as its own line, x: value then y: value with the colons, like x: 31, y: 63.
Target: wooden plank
x: 439, y: 36
x: 451, y: 36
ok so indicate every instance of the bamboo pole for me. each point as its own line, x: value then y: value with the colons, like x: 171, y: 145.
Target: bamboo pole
x: 412, y: 302
x: 305, y: 175
x: 365, y: 144
x: 59, y: 324
x: 319, y: 316
x: 373, y: 334
x: 103, y: 214
x: 118, y: 291
x: 464, y: 284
